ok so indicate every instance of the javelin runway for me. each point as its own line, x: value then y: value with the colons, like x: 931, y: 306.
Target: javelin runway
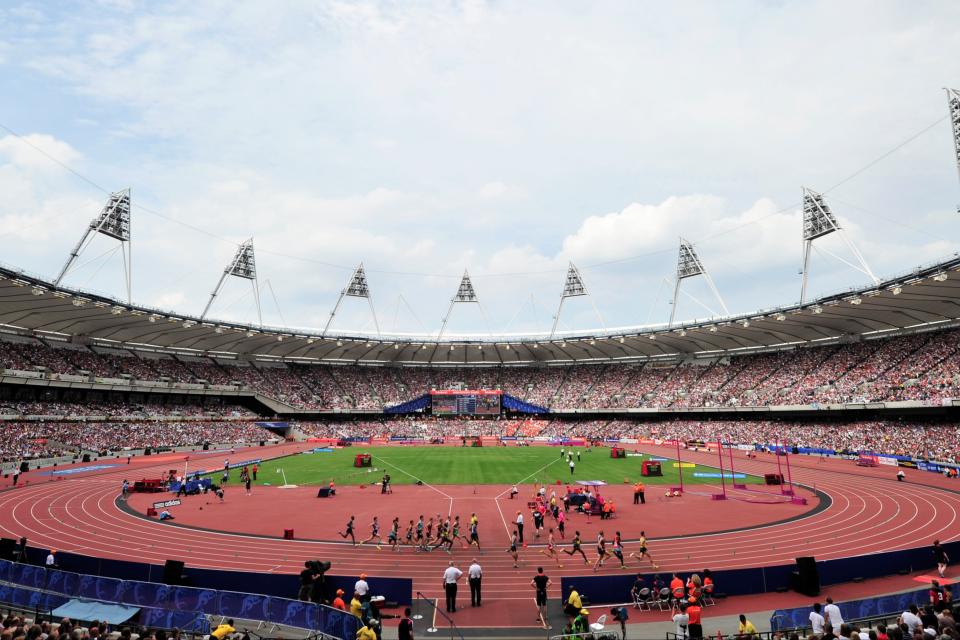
x: 868, y: 512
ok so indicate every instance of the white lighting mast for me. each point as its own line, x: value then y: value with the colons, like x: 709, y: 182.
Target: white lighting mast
x: 243, y: 265
x: 113, y: 222
x: 819, y: 221
x: 573, y: 286
x: 465, y: 293
x: 356, y: 288
x: 689, y: 266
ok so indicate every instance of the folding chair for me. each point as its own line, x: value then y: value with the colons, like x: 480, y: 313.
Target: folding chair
x: 642, y: 599
x: 707, y: 597
x: 599, y: 624
x: 665, y: 599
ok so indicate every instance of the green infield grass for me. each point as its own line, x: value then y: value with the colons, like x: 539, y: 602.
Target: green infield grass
x: 438, y: 465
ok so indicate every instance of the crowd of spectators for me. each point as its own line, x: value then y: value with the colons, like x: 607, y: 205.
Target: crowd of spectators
x: 120, y: 409
x: 921, y: 367
x: 930, y: 440
x: 927, y: 440
x: 21, y: 440
x: 19, y: 627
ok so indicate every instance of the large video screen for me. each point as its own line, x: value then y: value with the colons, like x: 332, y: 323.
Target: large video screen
x: 465, y: 403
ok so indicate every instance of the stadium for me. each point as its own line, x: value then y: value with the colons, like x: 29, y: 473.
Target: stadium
x: 199, y: 475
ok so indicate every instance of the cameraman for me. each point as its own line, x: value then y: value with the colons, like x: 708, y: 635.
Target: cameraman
x: 307, y: 578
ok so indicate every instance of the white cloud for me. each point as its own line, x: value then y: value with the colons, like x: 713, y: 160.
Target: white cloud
x: 35, y: 150
x: 507, y: 138
x: 760, y: 235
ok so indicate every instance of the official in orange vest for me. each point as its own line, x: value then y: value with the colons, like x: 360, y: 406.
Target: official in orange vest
x: 676, y: 588
x: 638, y: 490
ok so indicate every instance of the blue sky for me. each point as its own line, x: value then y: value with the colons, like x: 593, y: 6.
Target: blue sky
x: 506, y: 138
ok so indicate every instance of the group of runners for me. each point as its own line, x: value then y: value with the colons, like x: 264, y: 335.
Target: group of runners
x: 443, y: 533
x: 420, y: 535
x: 603, y: 554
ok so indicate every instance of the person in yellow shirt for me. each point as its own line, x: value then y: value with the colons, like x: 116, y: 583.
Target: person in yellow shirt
x: 746, y: 628
x: 367, y: 632
x: 356, y: 607
x: 573, y: 606
x: 223, y: 630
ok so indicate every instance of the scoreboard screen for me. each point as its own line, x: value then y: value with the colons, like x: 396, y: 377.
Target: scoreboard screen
x: 465, y: 403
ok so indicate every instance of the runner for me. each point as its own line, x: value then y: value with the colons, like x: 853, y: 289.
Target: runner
x: 618, y: 549
x: 551, y: 550
x: 443, y: 538
x: 420, y: 532
x: 601, y: 551
x: 349, y: 532
x: 409, y: 536
x: 474, y: 532
x: 374, y: 533
x: 513, y: 550
x: 561, y: 524
x: 575, y: 548
x: 643, y: 551
x: 455, y: 534
x: 394, y: 536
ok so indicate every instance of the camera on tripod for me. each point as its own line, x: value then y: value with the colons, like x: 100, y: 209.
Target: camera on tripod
x: 318, y: 566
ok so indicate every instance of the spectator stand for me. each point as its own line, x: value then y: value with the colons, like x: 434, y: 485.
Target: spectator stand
x: 173, y: 607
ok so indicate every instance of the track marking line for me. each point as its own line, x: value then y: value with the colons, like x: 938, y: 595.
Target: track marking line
x: 426, y: 484
x: 522, y: 480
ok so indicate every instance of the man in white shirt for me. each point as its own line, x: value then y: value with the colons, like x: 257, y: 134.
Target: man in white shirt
x: 52, y: 559
x: 361, y: 588
x: 571, y: 467
x: 682, y: 620
x: 832, y: 614
x: 912, y: 619
x: 816, y: 620
x: 450, y: 577
x: 474, y: 574
x: 520, y: 527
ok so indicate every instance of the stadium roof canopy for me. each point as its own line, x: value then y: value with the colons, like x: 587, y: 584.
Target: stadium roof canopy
x: 926, y: 298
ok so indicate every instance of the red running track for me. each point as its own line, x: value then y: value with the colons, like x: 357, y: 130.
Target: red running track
x: 869, y: 512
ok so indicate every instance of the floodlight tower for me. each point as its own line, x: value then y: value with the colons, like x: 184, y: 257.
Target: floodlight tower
x: 243, y: 265
x: 819, y: 221
x: 953, y: 104
x: 465, y: 293
x: 356, y: 288
x: 573, y: 286
x: 689, y: 266
x: 114, y: 222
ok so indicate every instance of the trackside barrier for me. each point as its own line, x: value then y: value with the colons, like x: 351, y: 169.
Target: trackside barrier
x: 735, y: 582
x: 180, y: 604
x: 281, y: 585
x: 35, y: 599
x: 30, y: 600
x: 853, y: 610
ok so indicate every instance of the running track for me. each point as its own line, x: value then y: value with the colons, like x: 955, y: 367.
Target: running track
x: 870, y: 512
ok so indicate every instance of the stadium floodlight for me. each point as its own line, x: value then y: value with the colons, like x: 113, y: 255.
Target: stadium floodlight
x: 465, y: 293
x: 819, y: 221
x: 243, y: 265
x: 689, y: 266
x: 113, y: 222
x: 953, y: 104
x: 356, y: 288
x: 573, y: 286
